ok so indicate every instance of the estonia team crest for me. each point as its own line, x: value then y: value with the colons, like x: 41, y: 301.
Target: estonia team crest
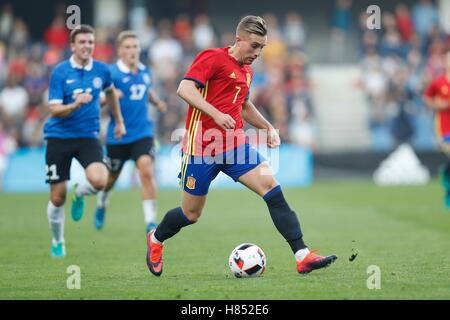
x: 97, y: 82
x: 146, y: 78
x: 190, y: 183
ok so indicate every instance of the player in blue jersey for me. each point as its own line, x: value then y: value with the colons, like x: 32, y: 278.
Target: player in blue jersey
x: 132, y: 82
x: 73, y: 127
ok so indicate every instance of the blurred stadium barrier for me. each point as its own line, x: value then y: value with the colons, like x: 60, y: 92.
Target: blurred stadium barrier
x: 25, y: 170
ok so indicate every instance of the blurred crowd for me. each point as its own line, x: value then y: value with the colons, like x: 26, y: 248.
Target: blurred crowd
x: 398, y: 62
x: 280, y: 86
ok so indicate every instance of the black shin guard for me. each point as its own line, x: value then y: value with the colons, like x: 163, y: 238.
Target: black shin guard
x: 285, y: 219
x: 171, y: 224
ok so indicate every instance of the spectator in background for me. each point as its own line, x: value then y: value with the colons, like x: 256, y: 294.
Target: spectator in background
x: 276, y: 50
x: 341, y: 16
x: 404, y: 22
x: 104, y: 51
x: 166, y: 52
x: 369, y: 40
x: 182, y: 29
x: 18, y: 65
x: 6, y: 21
x: 389, y: 22
x: 31, y: 133
x: 146, y: 34
x: 425, y: 17
x: 375, y: 83
x: 203, y: 33
x: 414, y: 83
x: 3, y: 64
x: 57, y: 35
x: 340, y: 28
x: 52, y: 56
x: 294, y: 32
x: 391, y: 44
x: 402, y: 129
x: 19, y: 37
x: 302, y: 129
x: 13, y: 103
x: 35, y: 82
x: 8, y: 145
x: 435, y: 64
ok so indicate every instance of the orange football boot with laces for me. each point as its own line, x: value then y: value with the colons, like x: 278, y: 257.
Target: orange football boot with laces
x: 313, y: 261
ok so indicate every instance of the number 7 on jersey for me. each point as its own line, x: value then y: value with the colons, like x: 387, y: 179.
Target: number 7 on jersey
x: 238, y: 89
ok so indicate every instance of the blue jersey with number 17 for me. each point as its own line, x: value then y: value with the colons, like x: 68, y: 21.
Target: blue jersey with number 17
x: 133, y: 103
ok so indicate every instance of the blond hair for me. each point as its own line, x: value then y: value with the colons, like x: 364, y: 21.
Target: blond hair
x: 125, y: 35
x: 252, y: 24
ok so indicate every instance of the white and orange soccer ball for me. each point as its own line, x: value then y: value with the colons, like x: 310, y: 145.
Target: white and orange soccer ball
x: 247, y: 260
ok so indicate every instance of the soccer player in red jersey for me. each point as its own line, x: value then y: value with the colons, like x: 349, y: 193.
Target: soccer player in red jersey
x: 437, y: 98
x: 216, y: 87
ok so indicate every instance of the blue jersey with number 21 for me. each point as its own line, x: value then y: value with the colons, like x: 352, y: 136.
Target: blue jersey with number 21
x: 67, y: 81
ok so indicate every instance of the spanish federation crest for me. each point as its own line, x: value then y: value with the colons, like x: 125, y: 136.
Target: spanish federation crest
x: 249, y: 79
x: 190, y: 183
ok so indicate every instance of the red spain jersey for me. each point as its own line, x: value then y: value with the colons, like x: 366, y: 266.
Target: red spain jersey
x: 225, y: 85
x: 440, y: 87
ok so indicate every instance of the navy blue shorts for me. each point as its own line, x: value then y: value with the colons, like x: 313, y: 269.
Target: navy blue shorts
x: 118, y: 154
x: 198, y: 172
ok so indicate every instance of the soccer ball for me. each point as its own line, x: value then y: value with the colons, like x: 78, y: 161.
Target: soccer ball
x: 247, y: 260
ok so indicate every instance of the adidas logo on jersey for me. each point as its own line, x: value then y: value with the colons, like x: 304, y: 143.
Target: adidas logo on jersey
x: 232, y: 75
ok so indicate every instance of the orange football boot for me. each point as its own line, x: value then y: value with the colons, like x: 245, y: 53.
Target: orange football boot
x: 313, y: 261
x: 154, y: 255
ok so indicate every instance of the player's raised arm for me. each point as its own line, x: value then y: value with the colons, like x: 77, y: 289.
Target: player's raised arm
x: 251, y: 115
x: 113, y: 102
x: 187, y: 90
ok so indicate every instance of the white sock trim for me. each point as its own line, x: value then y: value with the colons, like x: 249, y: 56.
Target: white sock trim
x: 301, y: 254
x: 103, y: 198
x: 154, y: 239
x: 85, y: 189
x: 55, y: 217
x: 149, y: 207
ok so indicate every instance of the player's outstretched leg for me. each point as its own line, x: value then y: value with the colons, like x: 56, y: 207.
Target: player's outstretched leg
x: 261, y: 181
x: 287, y: 224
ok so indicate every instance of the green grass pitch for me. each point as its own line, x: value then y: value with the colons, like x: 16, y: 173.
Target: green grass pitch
x: 404, y: 231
